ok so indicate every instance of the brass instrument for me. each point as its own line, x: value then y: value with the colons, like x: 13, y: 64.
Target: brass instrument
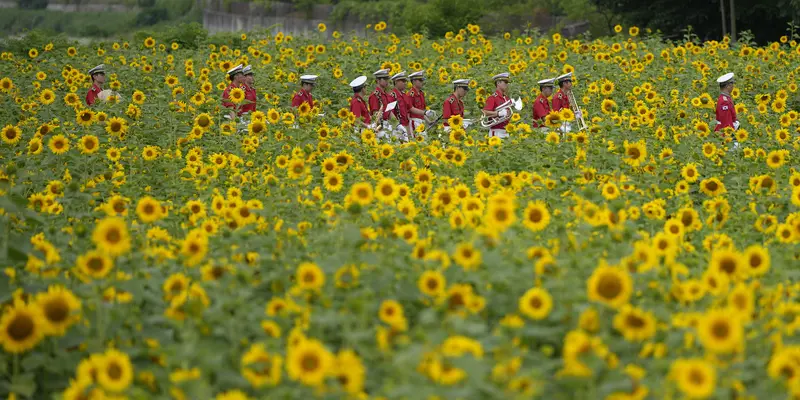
x: 431, y: 117
x: 488, y: 122
x: 573, y: 105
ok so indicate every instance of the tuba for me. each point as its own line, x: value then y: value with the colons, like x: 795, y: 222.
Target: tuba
x: 573, y: 105
x: 509, y: 105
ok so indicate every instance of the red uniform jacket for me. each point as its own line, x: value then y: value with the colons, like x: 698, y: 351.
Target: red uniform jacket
x: 378, y: 100
x: 401, y: 109
x: 726, y: 112
x: 249, y: 95
x: 541, y: 107
x: 227, y: 95
x: 492, y: 103
x: 91, y: 95
x: 359, y: 108
x: 452, y: 106
x: 302, y: 97
x: 416, y: 99
x: 560, y: 100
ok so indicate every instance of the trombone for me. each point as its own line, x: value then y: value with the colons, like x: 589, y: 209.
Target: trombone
x: 573, y: 105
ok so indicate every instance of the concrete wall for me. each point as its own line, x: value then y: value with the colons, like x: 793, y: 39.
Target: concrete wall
x: 241, y: 17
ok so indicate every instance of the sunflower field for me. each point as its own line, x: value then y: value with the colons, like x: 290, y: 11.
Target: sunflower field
x: 153, y: 249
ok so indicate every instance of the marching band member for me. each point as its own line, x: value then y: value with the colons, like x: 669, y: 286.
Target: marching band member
x: 453, y: 105
x: 401, y: 108
x: 541, y: 106
x: 307, y: 83
x: 417, y: 106
x: 98, y: 76
x: 496, y: 100
x: 379, y: 99
x: 357, y: 104
x: 237, y: 79
x: 726, y: 112
x: 249, y: 90
x: 561, y: 99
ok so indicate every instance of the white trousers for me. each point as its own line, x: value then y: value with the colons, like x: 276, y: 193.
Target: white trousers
x: 501, y: 133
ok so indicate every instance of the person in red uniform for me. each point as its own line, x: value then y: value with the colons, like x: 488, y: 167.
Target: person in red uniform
x: 541, y: 106
x: 98, y: 75
x: 453, y: 105
x: 357, y: 104
x: 249, y: 90
x: 400, y: 111
x: 561, y: 98
x: 493, y: 103
x: 237, y: 80
x: 307, y: 83
x: 726, y: 111
x: 418, y: 109
x: 379, y: 97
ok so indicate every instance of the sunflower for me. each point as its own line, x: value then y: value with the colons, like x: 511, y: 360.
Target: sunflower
x: 634, y: 324
x: 776, y: 158
x: 116, y: 126
x: 696, y: 378
x: 467, y: 256
x: 610, y: 285
x: 148, y: 209
x: 60, y: 309
x: 11, y: 134
x: 89, y: 144
x: 361, y: 193
x: 635, y: 153
x: 689, y: 172
x: 720, y: 331
x: 432, y: 283
x: 391, y: 313
x: 111, y: 235
x: 22, y: 327
x: 536, y: 217
x: 115, y: 372
x: 536, y: 304
x: 349, y: 371
x: 712, y: 187
x: 95, y: 264
x: 309, y: 362
x: 386, y: 191
x: 261, y: 368
x: 333, y: 182
x: 58, y: 144
x: 728, y: 262
x: 85, y: 118
x: 309, y: 276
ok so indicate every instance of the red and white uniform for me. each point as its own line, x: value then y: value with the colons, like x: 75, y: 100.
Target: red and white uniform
x: 401, y: 109
x: 726, y: 112
x: 541, y: 107
x: 416, y: 99
x: 560, y: 100
x: 359, y: 108
x: 378, y: 100
x: 492, y: 103
x: 452, y: 106
x: 251, y: 96
x: 226, y: 95
x: 302, y: 97
x: 91, y: 95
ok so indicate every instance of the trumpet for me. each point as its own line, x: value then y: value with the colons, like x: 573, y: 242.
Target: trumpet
x: 573, y: 105
x: 510, y: 105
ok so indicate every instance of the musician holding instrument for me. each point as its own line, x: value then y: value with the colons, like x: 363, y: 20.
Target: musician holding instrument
x: 249, y: 90
x: 378, y: 100
x: 496, y: 105
x: 357, y: 104
x: 454, y: 105
x: 236, y: 77
x: 541, y: 106
x: 401, y: 109
x: 307, y: 83
x: 418, y: 108
x: 726, y: 111
x: 98, y: 76
x: 561, y: 99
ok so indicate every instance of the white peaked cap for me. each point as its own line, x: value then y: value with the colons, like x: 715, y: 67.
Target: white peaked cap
x: 725, y: 78
x: 358, y: 82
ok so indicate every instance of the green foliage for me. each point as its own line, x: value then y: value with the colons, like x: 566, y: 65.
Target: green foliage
x: 86, y: 24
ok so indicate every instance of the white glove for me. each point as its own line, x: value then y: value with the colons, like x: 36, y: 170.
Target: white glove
x: 578, y: 114
x: 735, y: 125
x: 503, y: 113
x: 429, y: 114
